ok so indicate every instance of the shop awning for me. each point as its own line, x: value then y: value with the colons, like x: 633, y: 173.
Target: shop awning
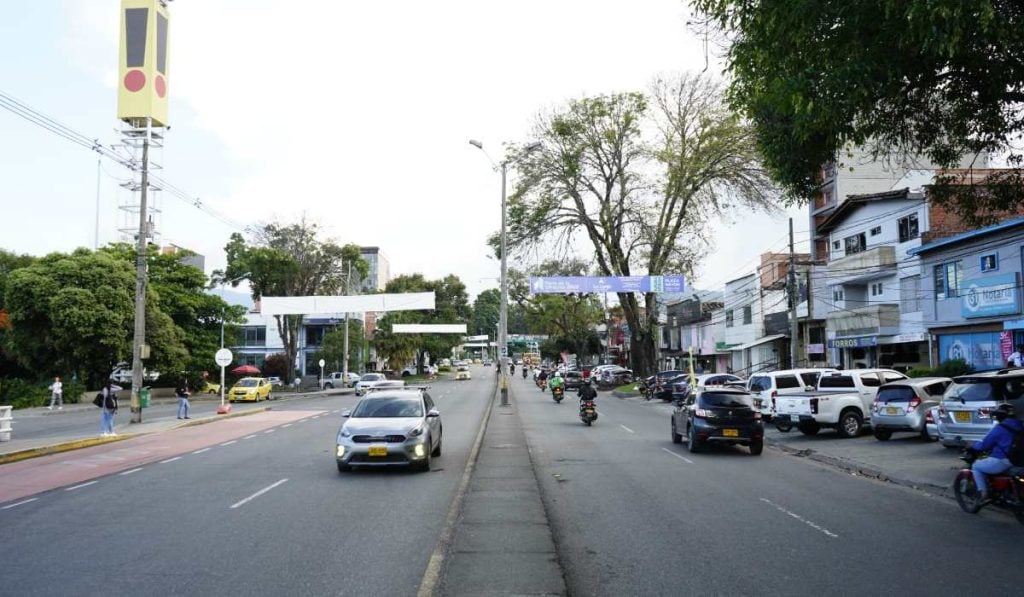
x: 757, y: 342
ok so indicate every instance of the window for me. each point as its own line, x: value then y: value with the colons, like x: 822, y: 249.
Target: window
x: 836, y: 245
x: 990, y: 262
x: 870, y: 380
x: 876, y: 289
x: 910, y: 294
x: 947, y: 280
x: 728, y: 318
x: 855, y: 244
x: 748, y: 315
x: 254, y: 336
x: 908, y: 228
x: 837, y: 295
x: 786, y: 382
x: 876, y: 231
x: 810, y: 378
x: 891, y: 377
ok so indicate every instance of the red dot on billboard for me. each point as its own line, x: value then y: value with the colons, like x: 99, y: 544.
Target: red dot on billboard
x: 135, y: 80
x: 161, y: 86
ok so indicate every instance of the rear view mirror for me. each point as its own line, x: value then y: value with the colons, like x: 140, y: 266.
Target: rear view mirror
x: 434, y: 413
x: 346, y: 414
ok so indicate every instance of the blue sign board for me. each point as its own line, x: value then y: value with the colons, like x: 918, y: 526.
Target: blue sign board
x: 587, y: 284
x: 862, y: 342
x: 990, y: 296
x: 981, y: 350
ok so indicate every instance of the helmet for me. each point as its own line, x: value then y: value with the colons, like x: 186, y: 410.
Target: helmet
x: 1002, y: 412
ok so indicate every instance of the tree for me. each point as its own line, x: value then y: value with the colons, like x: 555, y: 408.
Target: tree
x: 9, y: 262
x: 569, y: 320
x: 486, y: 312
x: 278, y: 365
x: 940, y: 78
x: 637, y: 177
x: 291, y: 260
x: 332, y: 348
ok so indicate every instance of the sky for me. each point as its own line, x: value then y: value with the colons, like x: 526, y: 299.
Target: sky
x: 353, y: 115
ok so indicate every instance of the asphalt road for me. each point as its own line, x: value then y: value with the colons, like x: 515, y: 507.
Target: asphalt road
x: 635, y: 514
x: 220, y: 513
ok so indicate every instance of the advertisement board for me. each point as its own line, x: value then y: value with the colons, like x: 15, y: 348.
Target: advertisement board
x: 588, y: 284
x: 990, y: 296
x: 981, y: 350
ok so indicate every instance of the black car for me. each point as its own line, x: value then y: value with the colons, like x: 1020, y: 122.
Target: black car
x: 664, y: 381
x: 723, y: 415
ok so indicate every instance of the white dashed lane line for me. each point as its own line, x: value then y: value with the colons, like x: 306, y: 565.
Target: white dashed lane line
x: 269, y: 431
x: 286, y: 425
x: 201, y: 451
x: 170, y: 460
x: 249, y: 436
x: 16, y: 504
x: 81, y: 485
x: 679, y: 456
x: 134, y: 470
x: 627, y: 429
x: 230, y: 442
x: 257, y: 494
x: 801, y: 519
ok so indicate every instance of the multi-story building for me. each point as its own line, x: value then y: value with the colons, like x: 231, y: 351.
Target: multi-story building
x: 970, y: 294
x: 380, y: 270
x: 260, y: 339
x: 692, y: 328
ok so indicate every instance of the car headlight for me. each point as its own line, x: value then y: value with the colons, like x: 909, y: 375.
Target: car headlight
x: 416, y: 431
x: 341, y: 451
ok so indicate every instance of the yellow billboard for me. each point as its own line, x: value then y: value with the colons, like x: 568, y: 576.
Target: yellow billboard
x: 143, y: 62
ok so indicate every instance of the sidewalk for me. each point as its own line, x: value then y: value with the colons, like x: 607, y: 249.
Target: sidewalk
x: 502, y: 542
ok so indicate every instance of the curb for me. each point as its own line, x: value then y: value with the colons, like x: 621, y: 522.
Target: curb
x: 89, y: 442
x: 863, y: 471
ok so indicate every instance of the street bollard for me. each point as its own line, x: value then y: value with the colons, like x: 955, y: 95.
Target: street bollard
x: 6, y: 418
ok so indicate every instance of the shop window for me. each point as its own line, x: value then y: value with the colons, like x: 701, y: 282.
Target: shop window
x: 254, y: 336
x: 855, y: 244
x: 947, y: 280
x: 876, y: 231
x: 908, y: 228
x: 990, y: 262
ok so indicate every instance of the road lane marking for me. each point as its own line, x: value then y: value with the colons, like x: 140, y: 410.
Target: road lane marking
x: 16, y: 504
x: 81, y: 485
x: 230, y: 442
x: 201, y: 451
x: 679, y: 456
x: 258, y: 494
x: 249, y: 436
x: 800, y: 518
x: 170, y: 460
x: 269, y: 431
x: 286, y: 425
x: 627, y: 429
x: 134, y: 470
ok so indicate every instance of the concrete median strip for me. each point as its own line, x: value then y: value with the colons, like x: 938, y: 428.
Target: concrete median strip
x: 88, y: 442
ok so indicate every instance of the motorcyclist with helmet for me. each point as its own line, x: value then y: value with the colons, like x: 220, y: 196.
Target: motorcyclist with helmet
x: 997, y: 443
x: 586, y: 392
x: 556, y: 381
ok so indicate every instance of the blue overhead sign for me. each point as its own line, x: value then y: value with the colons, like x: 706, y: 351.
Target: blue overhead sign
x: 587, y: 284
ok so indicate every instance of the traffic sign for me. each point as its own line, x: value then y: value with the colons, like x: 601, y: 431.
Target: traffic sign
x: 223, y: 357
x: 322, y: 363
x: 504, y: 351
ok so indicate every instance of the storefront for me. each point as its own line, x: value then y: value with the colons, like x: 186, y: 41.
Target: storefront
x: 901, y: 352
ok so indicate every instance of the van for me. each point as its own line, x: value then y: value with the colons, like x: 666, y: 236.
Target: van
x: 764, y: 388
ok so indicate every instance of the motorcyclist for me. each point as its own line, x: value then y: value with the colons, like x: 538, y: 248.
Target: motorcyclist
x: 542, y: 379
x: 586, y: 392
x: 511, y: 368
x: 556, y: 381
x: 525, y: 371
x: 997, y: 443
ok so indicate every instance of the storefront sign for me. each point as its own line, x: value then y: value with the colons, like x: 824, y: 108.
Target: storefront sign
x: 862, y: 342
x: 1006, y: 344
x: 981, y: 350
x: 990, y: 296
x: 815, y: 349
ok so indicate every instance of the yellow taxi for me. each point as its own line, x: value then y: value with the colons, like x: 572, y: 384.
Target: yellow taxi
x: 462, y: 372
x: 250, y: 389
x: 210, y: 388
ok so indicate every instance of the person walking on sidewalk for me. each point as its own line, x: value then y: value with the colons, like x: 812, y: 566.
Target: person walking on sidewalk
x: 56, y: 394
x: 182, y: 393
x: 109, y: 393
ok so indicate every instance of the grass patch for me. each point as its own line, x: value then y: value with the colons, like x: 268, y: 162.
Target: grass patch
x: 627, y: 390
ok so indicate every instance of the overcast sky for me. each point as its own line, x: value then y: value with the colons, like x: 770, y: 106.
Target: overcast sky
x: 354, y: 114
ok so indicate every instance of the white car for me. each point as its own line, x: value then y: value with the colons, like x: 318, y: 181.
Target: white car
x: 373, y: 380
x: 766, y: 387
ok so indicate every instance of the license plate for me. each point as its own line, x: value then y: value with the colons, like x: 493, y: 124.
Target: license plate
x: 589, y: 411
x: 891, y: 410
x: 730, y: 432
x: 962, y: 416
x: 378, y: 450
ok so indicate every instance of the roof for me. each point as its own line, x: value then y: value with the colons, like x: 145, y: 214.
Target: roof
x: 967, y: 236
x: 844, y: 209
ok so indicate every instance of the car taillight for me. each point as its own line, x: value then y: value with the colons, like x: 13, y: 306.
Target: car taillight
x: 757, y: 415
x: 984, y: 413
x: 914, y: 403
x: 814, y: 406
x: 775, y: 394
x: 942, y: 411
x: 928, y: 418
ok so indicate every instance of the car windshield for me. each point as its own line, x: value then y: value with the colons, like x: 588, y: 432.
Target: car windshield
x: 246, y: 383
x: 836, y: 381
x: 722, y: 399
x: 388, y: 408
x: 463, y: 368
x: 372, y: 377
x: 760, y: 384
x: 980, y: 391
x: 896, y: 394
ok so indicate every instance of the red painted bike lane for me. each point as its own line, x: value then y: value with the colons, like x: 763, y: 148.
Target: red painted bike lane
x: 29, y: 477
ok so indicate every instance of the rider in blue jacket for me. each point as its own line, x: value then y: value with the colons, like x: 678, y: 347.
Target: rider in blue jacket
x: 997, y: 443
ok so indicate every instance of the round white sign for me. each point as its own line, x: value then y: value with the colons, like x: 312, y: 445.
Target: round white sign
x: 322, y: 362
x: 223, y: 357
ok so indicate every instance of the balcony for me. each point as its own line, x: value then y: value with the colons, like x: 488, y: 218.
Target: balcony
x: 876, y: 320
x: 879, y: 262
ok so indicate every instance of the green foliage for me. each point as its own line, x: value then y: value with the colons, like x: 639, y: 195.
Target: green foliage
x: 950, y: 368
x: 332, y: 348
x: 276, y: 365
x: 20, y: 393
x: 451, y: 305
x: 486, y: 312
x: 939, y: 78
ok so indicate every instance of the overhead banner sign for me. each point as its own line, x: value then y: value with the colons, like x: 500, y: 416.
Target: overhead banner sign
x: 480, y: 338
x: 428, y: 328
x: 329, y: 305
x: 587, y: 284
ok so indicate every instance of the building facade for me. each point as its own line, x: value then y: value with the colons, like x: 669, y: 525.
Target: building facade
x: 380, y: 269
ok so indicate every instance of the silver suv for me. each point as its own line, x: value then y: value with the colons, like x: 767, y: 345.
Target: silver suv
x: 903, y: 405
x: 965, y: 413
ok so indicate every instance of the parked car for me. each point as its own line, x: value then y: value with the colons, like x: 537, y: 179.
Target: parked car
x: 338, y: 379
x: 210, y: 388
x: 661, y: 383
x: 903, y: 405
x: 965, y: 412
x: 616, y: 376
x: 250, y: 389
x: 275, y: 381
x: 721, y: 415
x: 393, y: 427
x: 766, y: 387
x: 842, y: 401
x: 681, y: 385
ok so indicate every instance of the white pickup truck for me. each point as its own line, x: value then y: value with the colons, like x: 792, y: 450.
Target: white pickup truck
x: 842, y: 401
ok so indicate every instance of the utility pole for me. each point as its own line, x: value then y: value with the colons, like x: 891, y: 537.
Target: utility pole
x: 141, y: 247
x: 503, y: 313
x: 348, y: 290
x: 791, y: 285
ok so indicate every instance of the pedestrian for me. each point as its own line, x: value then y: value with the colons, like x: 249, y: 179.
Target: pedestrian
x: 109, y: 407
x: 56, y: 394
x: 182, y: 393
x: 1016, y: 358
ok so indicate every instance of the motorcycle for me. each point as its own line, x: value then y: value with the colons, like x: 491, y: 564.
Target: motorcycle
x: 542, y: 384
x: 558, y: 392
x: 1007, y: 489
x: 588, y: 412
x: 525, y: 371
x: 647, y: 386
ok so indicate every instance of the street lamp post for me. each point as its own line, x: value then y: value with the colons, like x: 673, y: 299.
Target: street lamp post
x: 503, y: 311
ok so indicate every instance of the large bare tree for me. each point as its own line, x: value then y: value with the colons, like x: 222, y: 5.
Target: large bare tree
x: 639, y: 179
